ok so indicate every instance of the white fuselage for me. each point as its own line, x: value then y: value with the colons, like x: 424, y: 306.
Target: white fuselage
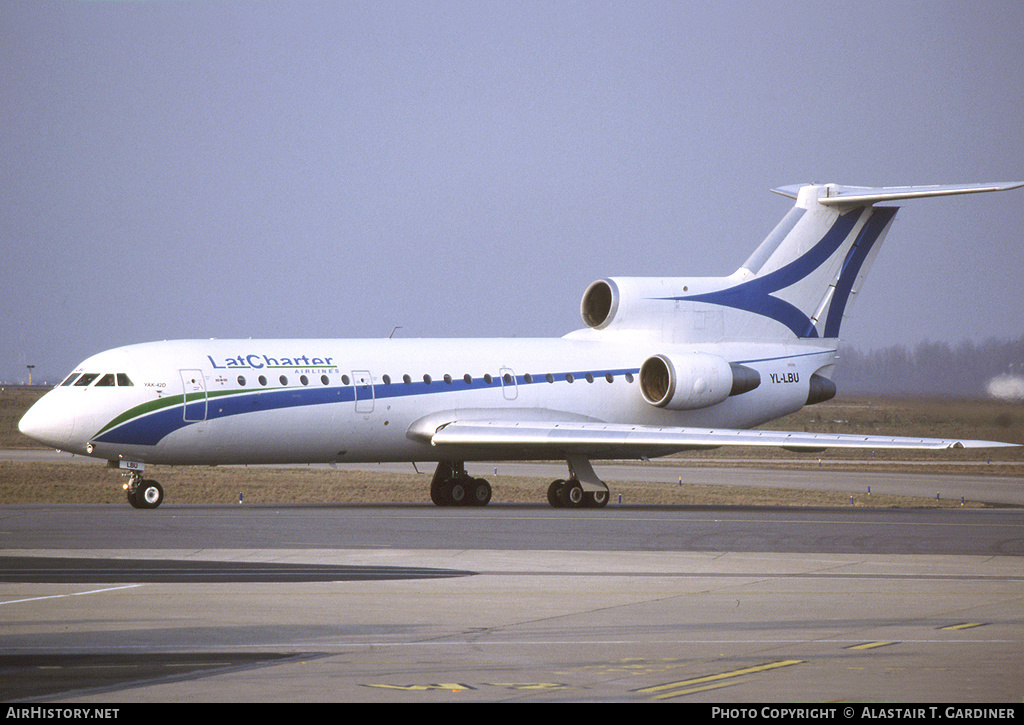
x: 324, y: 401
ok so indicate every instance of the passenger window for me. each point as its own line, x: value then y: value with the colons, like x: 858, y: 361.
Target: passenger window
x: 406, y: 379
x: 387, y: 379
x: 608, y: 377
x: 241, y: 380
x: 304, y: 380
x: 124, y: 381
x: 448, y: 378
x: 468, y: 378
x: 528, y: 378
x: 550, y: 378
x: 107, y: 381
x: 263, y: 380
x: 283, y: 379
x: 324, y: 379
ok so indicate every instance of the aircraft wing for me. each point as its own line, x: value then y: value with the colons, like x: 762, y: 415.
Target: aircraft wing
x: 601, y: 439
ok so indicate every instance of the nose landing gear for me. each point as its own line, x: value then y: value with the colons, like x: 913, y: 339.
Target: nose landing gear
x: 143, y: 493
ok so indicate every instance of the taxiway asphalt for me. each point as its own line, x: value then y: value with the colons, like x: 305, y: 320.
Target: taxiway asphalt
x: 510, y: 603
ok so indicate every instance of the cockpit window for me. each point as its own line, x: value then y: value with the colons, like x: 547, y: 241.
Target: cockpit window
x: 105, y: 380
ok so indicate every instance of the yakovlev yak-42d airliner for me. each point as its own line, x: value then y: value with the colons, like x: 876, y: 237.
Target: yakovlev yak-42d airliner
x: 665, y: 364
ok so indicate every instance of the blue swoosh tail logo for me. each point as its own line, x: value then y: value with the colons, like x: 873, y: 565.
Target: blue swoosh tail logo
x: 758, y: 295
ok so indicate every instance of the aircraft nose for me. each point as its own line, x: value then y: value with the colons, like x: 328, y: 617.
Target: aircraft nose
x: 47, y: 423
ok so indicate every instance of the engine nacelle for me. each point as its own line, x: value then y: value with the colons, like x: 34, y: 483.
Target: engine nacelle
x: 693, y: 380
x: 631, y: 303
x: 600, y: 304
x: 643, y: 303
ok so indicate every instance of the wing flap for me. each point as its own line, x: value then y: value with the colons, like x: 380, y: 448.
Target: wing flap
x: 594, y: 437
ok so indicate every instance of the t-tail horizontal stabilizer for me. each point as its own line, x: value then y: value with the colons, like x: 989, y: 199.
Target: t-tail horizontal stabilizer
x: 837, y: 195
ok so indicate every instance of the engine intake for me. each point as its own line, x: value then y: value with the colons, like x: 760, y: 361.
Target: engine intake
x: 600, y: 303
x: 693, y: 380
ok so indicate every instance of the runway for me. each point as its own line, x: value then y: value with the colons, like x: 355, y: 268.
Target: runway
x: 992, y: 482
x: 510, y: 603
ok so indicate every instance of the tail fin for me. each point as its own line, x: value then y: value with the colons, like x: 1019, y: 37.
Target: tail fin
x: 798, y: 283
x: 805, y: 274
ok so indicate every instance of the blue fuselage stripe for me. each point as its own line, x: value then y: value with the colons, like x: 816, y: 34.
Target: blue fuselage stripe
x: 150, y: 428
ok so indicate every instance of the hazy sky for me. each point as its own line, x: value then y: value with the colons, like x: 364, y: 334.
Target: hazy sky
x: 334, y: 169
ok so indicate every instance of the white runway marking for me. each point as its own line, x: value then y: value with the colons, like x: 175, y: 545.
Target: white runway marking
x: 72, y: 594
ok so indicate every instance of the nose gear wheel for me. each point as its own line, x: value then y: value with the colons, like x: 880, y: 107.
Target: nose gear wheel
x: 144, y: 493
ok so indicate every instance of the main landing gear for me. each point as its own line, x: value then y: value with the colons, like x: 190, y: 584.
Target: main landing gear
x: 569, y: 494
x: 143, y: 493
x: 452, y: 486
x: 583, y: 489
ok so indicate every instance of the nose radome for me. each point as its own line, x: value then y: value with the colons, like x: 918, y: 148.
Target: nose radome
x: 47, y: 423
x: 34, y: 425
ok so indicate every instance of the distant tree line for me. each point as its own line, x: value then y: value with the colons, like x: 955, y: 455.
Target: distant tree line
x: 929, y: 369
